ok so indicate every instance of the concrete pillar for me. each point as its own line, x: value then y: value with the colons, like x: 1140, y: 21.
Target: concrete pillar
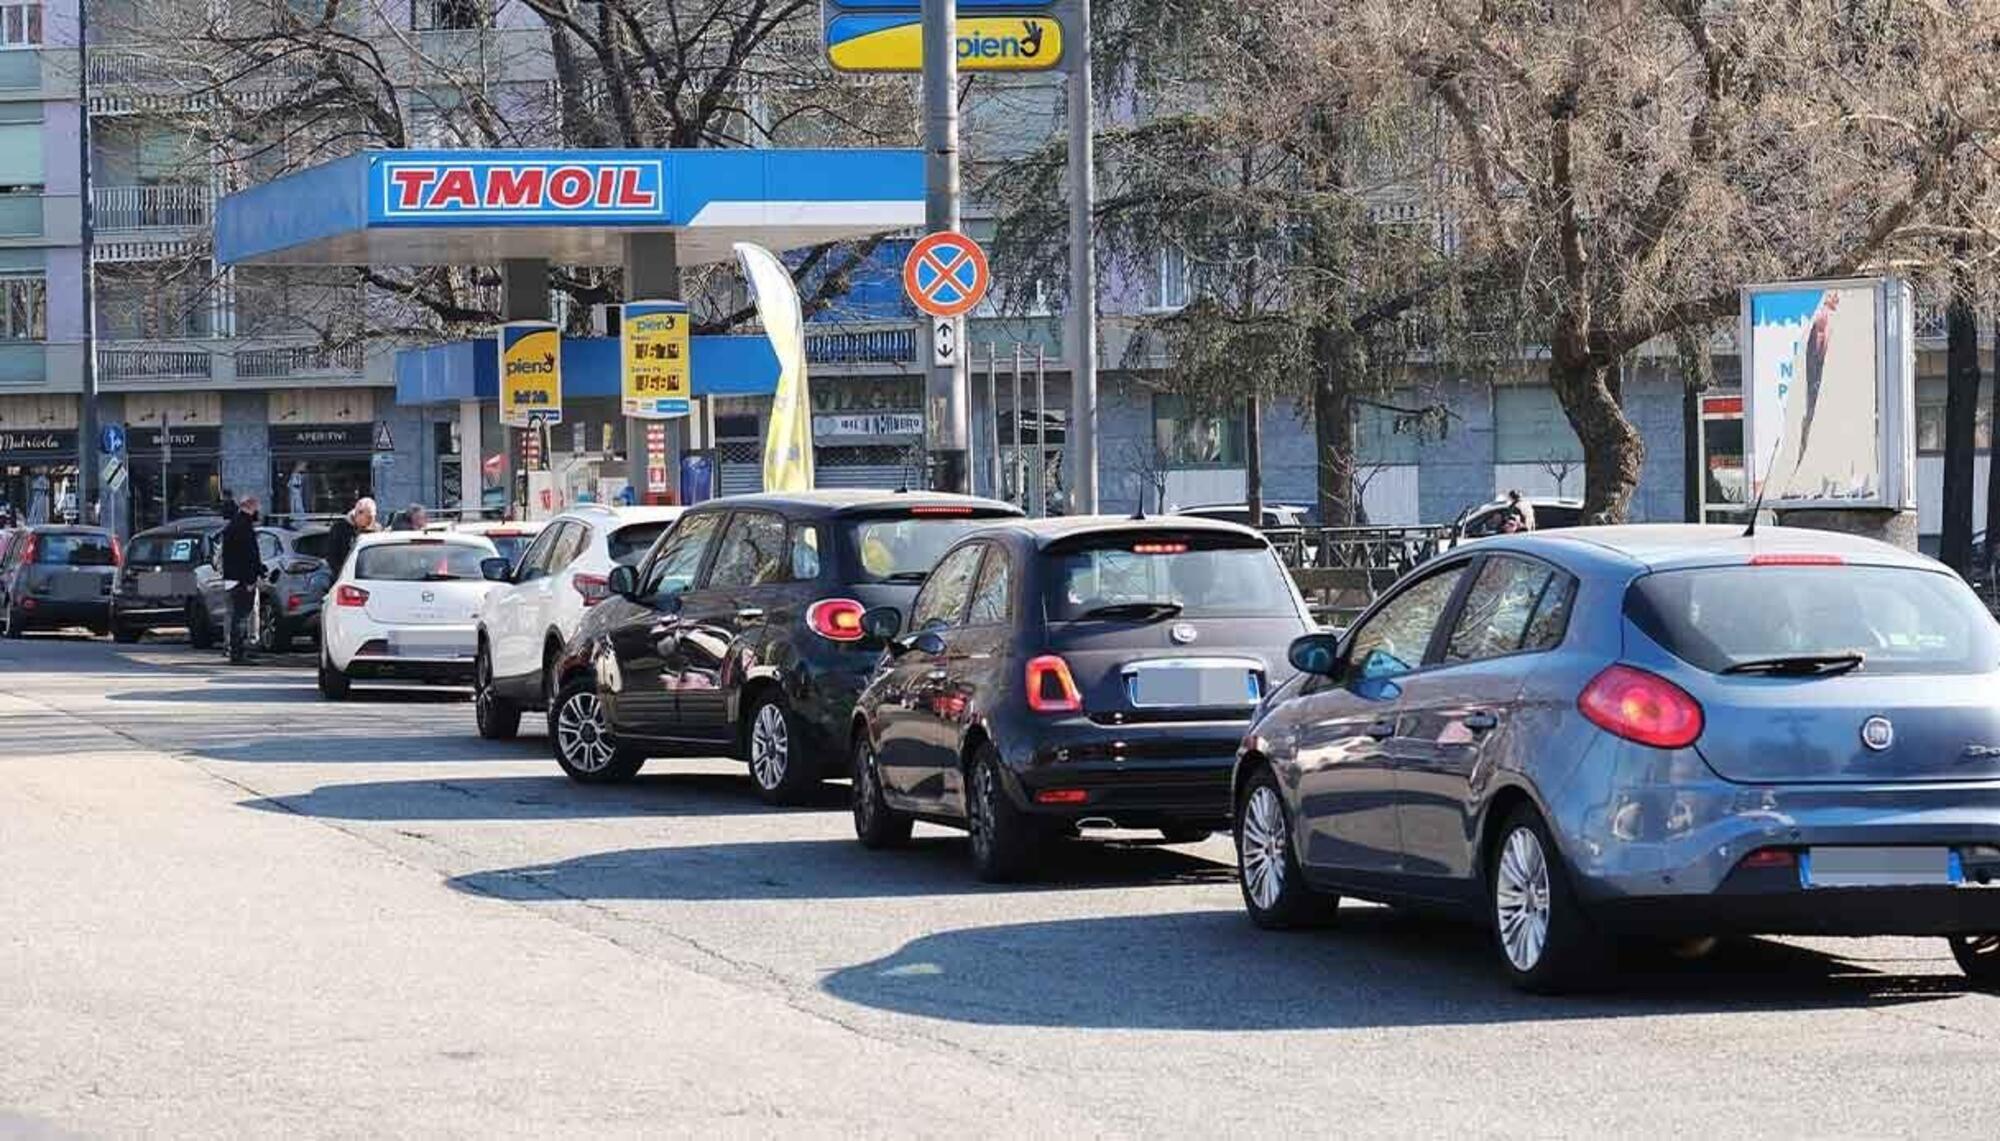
x: 471, y: 483
x: 1896, y: 528
x: 524, y: 296
x: 653, y: 273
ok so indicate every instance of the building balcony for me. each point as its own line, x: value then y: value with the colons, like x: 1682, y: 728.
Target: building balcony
x: 143, y: 209
x: 126, y: 365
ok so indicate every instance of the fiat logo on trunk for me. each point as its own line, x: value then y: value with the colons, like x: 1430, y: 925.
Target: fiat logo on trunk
x: 1182, y: 633
x: 1877, y: 733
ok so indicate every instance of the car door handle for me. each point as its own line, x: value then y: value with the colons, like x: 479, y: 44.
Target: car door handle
x: 1383, y: 728
x: 749, y: 613
x: 1480, y: 720
x: 936, y: 675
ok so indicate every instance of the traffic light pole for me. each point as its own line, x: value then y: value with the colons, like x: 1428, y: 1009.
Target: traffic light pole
x: 946, y: 432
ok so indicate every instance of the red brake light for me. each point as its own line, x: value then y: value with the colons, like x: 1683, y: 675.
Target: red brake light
x: 939, y: 509
x: 1159, y: 548
x: 1770, y: 858
x: 1051, y: 689
x: 28, y: 548
x: 1801, y: 560
x: 349, y: 595
x: 1642, y: 707
x: 595, y: 588
x: 117, y: 552
x: 836, y: 619
x: 294, y: 601
x: 1063, y: 796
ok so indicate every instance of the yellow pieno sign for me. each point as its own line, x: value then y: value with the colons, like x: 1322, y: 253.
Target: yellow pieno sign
x: 894, y: 42
x: 530, y: 373
x: 653, y: 343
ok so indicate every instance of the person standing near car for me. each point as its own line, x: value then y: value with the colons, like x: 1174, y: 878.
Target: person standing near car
x: 340, y: 537
x: 242, y: 569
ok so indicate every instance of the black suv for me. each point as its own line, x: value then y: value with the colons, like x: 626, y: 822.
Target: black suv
x: 741, y: 633
x: 1068, y: 673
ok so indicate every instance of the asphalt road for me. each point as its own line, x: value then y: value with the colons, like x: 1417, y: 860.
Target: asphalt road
x: 229, y: 908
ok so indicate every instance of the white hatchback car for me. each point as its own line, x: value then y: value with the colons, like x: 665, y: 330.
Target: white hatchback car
x: 541, y: 600
x: 404, y: 608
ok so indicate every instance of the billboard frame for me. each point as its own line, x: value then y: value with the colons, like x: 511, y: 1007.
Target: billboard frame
x: 1895, y: 394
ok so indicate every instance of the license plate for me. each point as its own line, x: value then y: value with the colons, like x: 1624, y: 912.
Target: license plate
x: 155, y: 584
x: 1197, y: 686
x: 421, y: 644
x: 1878, y: 867
x: 78, y: 588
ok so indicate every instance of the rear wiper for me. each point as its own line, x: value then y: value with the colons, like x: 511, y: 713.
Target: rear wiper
x: 907, y: 576
x: 1153, y: 610
x: 1802, y: 665
x: 435, y: 577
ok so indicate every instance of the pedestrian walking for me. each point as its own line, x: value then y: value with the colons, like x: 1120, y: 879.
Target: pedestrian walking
x: 340, y: 537
x: 242, y: 570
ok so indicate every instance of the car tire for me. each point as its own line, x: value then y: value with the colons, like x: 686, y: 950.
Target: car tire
x: 125, y: 635
x: 876, y: 824
x: 1545, y: 942
x: 1275, y: 892
x: 333, y: 684
x: 201, y: 635
x: 269, y: 625
x: 582, y: 741
x: 1003, y: 837
x: 1186, y: 834
x: 1979, y: 957
x: 499, y: 719
x: 282, y: 635
x: 772, y: 740
x: 17, y: 624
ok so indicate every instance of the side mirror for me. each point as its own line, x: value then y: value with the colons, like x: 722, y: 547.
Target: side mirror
x: 495, y: 569
x: 1315, y: 654
x: 624, y: 581
x: 929, y: 642
x: 881, y: 624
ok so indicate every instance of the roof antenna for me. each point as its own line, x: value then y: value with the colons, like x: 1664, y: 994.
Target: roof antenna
x: 1764, y: 485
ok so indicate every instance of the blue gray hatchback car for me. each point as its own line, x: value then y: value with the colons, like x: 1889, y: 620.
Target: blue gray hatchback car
x: 1657, y: 731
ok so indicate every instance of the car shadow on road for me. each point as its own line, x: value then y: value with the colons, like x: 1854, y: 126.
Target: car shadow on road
x: 828, y: 869
x: 1212, y: 970
x: 551, y: 797
x: 262, y: 690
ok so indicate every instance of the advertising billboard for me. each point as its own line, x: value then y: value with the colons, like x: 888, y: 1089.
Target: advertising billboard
x: 530, y: 374
x: 1828, y: 393
x: 654, y: 348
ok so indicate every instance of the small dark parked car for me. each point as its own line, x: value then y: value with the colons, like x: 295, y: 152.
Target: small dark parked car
x: 56, y: 576
x: 156, y: 587
x: 290, y: 597
x: 1069, y: 673
x: 741, y: 632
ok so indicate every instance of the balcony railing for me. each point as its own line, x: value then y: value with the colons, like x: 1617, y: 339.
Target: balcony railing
x: 292, y: 360
x: 110, y: 67
x: 872, y: 346
x: 155, y: 364
x: 152, y: 207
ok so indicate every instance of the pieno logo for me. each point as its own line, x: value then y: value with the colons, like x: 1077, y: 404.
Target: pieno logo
x: 982, y: 47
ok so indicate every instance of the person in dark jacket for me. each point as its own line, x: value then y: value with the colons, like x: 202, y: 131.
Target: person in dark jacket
x: 340, y: 537
x: 242, y: 569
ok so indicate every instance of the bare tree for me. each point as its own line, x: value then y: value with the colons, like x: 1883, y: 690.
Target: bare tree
x: 1559, y: 469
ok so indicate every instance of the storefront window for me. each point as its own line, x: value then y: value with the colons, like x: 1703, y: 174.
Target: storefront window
x: 24, y: 309
x: 321, y: 486
x: 1186, y: 438
x: 1930, y: 416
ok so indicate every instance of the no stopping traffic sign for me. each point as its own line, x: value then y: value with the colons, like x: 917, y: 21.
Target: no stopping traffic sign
x: 946, y: 274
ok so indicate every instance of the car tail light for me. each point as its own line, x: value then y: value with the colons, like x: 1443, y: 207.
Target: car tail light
x: 294, y: 601
x: 1770, y: 858
x: 836, y: 619
x: 1051, y: 689
x: 117, y: 552
x: 27, y: 604
x: 940, y: 509
x: 1801, y: 560
x: 1641, y: 707
x: 1062, y: 796
x: 595, y: 588
x: 350, y: 596
x: 28, y: 548
x: 1159, y: 548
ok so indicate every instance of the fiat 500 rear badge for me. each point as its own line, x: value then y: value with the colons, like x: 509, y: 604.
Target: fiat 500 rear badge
x: 1182, y: 633
x: 1877, y: 733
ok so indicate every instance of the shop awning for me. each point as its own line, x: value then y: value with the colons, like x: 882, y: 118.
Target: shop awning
x: 459, y: 207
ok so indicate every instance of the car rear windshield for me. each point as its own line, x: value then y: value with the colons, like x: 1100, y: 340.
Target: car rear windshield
x: 1118, y: 576
x: 1899, y: 619
x: 165, y: 550
x: 313, y: 544
x: 419, y: 562
x: 630, y: 544
x: 906, y: 547
x: 74, y: 549
x: 510, y: 544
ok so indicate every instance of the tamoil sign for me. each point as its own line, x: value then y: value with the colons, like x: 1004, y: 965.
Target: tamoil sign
x: 530, y: 374
x: 993, y: 35
x: 446, y: 188
x: 653, y: 343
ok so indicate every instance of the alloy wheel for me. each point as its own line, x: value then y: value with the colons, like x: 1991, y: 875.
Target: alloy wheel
x: 1260, y: 847
x: 980, y: 811
x: 1521, y: 899
x: 581, y: 734
x: 482, y: 685
x: 770, y: 746
x: 866, y: 787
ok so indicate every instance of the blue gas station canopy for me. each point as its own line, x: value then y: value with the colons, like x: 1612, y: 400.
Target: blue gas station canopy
x: 459, y: 207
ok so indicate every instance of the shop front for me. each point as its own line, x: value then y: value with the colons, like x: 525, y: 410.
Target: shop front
x: 320, y: 469
x: 175, y: 472
x: 38, y: 474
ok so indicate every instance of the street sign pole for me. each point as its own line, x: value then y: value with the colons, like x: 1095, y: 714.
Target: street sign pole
x: 945, y: 429
x: 1082, y: 436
